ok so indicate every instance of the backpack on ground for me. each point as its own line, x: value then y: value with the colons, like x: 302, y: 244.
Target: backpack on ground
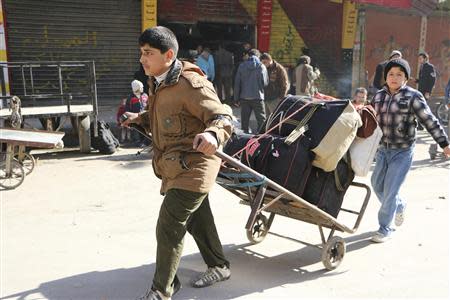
x: 105, y: 142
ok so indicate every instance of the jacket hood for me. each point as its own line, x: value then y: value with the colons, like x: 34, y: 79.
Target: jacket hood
x: 252, y: 63
x: 179, y: 67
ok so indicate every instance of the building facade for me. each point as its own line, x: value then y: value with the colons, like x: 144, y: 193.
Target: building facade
x: 345, y: 39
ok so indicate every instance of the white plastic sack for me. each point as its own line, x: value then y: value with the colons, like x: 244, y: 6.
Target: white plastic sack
x: 362, y: 152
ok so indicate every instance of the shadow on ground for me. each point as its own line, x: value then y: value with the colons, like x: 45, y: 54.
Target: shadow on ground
x: 252, y: 273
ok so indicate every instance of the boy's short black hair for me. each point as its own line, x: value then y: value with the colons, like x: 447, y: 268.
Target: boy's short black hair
x: 161, y: 38
x: 265, y: 55
x: 424, y: 55
x: 253, y: 52
x: 361, y: 90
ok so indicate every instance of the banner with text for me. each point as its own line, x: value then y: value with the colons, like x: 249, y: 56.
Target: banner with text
x: 148, y: 11
x: 349, y: 22
x: 264, y: 24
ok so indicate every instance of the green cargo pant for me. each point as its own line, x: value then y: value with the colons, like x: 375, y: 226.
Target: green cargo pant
x: 183, y: 210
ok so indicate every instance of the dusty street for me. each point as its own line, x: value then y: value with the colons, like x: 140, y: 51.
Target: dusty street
x: 83, y: 227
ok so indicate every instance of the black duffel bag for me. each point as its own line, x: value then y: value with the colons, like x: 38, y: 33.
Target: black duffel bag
x: 318, y: 117
x: 326, y: 190
x: 236, y: 143
x: 287, y: 164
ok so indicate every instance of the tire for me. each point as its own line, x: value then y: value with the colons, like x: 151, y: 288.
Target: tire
x: 259, y: 230
x: 11, y: 180
x: 28, y: 162
x: 442, y: 113
x: 333, y: 252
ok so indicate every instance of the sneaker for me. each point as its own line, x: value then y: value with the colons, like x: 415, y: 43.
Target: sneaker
x: 152, y: 294
x: 380, y: 238
x: 211, y: 276
x: 399, y: 218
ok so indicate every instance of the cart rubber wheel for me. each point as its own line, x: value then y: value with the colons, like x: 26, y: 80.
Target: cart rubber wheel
x: 258, y: 232
x: 28, y: 162
x: 11, y: 180
x: 333, y: 252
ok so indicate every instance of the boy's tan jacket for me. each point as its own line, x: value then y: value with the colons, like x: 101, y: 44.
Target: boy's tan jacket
x: 184, y: 105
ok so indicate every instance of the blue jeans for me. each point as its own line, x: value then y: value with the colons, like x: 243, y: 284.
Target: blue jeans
x: 392, y: 166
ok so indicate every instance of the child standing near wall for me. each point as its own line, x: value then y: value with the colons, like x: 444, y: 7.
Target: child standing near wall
x: 125, y: 132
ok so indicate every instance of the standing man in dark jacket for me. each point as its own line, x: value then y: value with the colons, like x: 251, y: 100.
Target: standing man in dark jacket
x: 224, y: 61
x: 378, y: 79
x: 251, y: 78
x: 427, y: 76
x: 278, y: 85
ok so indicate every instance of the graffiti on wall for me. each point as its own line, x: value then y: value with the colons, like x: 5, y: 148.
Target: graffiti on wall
x: 285, y: 42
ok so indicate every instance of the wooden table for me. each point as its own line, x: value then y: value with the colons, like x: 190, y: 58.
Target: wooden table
x: 16, y: 164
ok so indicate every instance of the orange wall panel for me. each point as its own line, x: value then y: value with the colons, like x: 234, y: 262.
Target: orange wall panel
x: 386, y: 32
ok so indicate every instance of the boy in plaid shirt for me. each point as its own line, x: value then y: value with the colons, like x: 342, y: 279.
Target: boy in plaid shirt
x: 398, y: 108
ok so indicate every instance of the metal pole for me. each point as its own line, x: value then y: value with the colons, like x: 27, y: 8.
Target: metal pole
x: 23, y: 80
x: 31, y: 80
x: 95, y: 106
x: 60, y: 85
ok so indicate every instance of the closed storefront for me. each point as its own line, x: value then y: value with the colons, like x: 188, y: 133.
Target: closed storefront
x: 105, y: 31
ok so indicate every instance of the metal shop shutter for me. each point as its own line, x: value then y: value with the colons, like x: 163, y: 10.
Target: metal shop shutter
x: 105, y: 31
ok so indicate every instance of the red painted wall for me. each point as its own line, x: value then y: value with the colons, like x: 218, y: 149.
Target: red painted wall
x: 319, y: 23
x: 191, y: 11
x: 386, y: 32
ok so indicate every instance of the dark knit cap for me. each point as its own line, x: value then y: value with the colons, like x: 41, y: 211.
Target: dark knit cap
x: 398, y: 62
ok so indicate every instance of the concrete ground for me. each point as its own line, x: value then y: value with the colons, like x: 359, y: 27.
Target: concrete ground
x: 82, y: 227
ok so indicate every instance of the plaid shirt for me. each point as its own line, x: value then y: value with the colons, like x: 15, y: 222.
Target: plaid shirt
x: 397, y: 116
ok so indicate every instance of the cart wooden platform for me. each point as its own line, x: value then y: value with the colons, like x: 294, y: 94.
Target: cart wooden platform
x: 53, y: 91
x: 15, y: 163
x: 265, y: 195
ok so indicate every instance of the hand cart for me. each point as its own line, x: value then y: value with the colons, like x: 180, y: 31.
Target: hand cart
x: 16, y: 162
x: 263, y: 194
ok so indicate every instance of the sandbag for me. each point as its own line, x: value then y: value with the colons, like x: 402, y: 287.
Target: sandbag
x: 326, y: 190
x: 105, y: 142
x: 362, y: 152
x: 286, y: 164
x: 338, y: 139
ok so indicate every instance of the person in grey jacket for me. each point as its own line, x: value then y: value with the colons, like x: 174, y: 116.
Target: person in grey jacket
x: 251, y: 78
